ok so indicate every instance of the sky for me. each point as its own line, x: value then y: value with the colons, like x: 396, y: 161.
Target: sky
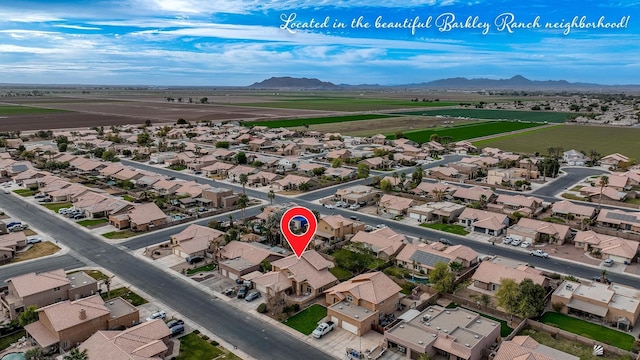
x: 386, y: 42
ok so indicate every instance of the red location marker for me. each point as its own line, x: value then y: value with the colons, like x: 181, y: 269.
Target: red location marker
x: 298, y: 242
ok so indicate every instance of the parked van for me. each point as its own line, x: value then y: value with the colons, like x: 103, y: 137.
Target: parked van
x: 176, y: 330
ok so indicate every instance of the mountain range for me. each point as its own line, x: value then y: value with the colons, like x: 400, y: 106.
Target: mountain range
x: 458, y: 83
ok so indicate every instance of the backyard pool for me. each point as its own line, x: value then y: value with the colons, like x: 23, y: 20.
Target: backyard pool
x: 14, y: 356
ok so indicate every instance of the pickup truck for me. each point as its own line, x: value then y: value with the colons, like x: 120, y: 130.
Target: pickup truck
x: 539, y: 253
x: 323, y: 329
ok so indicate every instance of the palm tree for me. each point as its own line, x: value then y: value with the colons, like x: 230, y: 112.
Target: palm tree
x: 244, y: 179
x: 271, y: 195
x: 230, y: 220
x: 107, y: 282
x: 76, y: 354
x: 438, y: 194
x: 395, y: 179
x: 603, y: 276
x: 604, y: 181
x: 243, y: 202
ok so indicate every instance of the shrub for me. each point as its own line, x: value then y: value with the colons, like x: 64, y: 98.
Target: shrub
x: 196, y: 331
x: 205, y: 337
x: 262, y: 308
x: 557, y: 306
x: 214, y: 343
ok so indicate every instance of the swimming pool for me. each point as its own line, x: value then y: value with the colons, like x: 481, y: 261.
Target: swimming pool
x: 14, y: 356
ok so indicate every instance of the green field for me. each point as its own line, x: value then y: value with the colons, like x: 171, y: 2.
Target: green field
x: 25, y: 110
x: 589, y: 330
x: 315, y: 121
x: 347, y: 104
x: 92, y: 222
x: 468, y: 131
x: 605, y: 140
x: 307, y: 320
x: 536, y: 116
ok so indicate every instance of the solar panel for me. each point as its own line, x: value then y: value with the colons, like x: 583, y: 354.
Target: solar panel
x: 623, y: 217
x: 429, y: 259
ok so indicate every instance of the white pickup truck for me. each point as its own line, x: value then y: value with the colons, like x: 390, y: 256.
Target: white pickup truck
x: 323, y: 329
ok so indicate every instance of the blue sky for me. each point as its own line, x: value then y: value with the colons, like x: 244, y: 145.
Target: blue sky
x: 239, y: 42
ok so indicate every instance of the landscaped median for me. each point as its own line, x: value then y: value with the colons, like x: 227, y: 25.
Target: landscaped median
x: 589, y: 330
x: 124, y: 234
x: 307, y: 320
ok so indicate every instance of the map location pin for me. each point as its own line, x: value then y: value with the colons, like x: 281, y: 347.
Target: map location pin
x: 306, y: 217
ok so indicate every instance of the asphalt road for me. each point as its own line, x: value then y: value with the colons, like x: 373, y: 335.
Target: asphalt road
x: 67, y: 262
x: 255, y: 337
x: 573, y: 175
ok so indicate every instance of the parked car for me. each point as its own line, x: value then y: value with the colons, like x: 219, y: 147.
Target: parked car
x: 539, y: 253
x: 252, y: 296
x: 19, y: 227
x: 79, y: 216
x: 46, y: 199
x: 63, y: 211
x: 323, y: 329
x: 516, y: 242
x: 599, y: 279
x: 157, y: 315
x: 40, y: 196
x: 242, y: 292
x: 177, y: 330
x: 194, y: 259
x: 525, y: 244
x: 228, y: 292
x: 354, y: 207
x: 175, y: 322
x: 34, y: 239
x: 608, y: 263
x: 445, y: 241
x: 13, y: 223
x: 329, y: 206
x: 507, y: 240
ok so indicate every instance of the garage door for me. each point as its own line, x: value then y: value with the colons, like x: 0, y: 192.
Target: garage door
x: 350, y: 328
x: 261, y: 288
x: 529, y: 239
x: 415, y: 216
x: 334, y: 319
x: 517, y: 237
x: 232, y: 276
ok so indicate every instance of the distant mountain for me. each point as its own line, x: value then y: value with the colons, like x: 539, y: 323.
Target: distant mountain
x: 293, y: 83
x: 516, y: 82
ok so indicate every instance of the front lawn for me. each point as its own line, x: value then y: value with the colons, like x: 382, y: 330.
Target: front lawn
x: 25, y: 192
x: 450, y: 228
x: 193, y: 346
x: 57, y: 206
x: 584, y: 352
x: 120, y: 234
x: 209, y: 267
x: 133, y: 298
x: 177, y: 167
x: 92, y: 222
x: 38, y: 250
x: 340, y: 273
x: 307, y: 320
x: 589, y: 330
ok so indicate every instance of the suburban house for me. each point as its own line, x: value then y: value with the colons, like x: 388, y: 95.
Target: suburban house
x: 485, y: 222
x: 526, y: 205
x: 424, y: 257
x: 536, y: 231
x: 378, y: 139
x: 64, y: 324
x: 610, y: 247
x: 436, y: 190
x: 240, y: 258
x: 618, y: 219
x: 10, y: 243
x: 474, y: 194
x: 608, y: 193
x: 443, y: 211
x: 196, y: 240
x: 614, y: 160
x: 218, y: 168
x: 376, y: 162
x: 525, y: 347
x: 444, y: 172
x: 166, y: 187
x: 616, y: 305
x: 96, y: 205
x: 358, y: 304
x: 219, y: 198
x: 337, y: 227
x: 261, y: 178
x: 141, y: 217
x: 568, y: 209
x: 489, y: 274
x: 385, y: 243
x: 296, y: 280
x: 396, y: 205
x: 359, y: 194
x: 291, y: 182
x: 574, y: 158
x: 148, y: 340
x: 452, y: 333
x: 45, y: 288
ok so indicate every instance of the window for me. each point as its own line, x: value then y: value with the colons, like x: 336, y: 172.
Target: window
x: 57, y: 288
x: 309, y: 289
x: 349, y: 298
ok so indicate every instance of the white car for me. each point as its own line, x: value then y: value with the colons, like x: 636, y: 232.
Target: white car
x: 329, y: 206
x: 354, y: 207
x: 34, y: 239
x: 157, y: 315
x: 607, y: 263
x: 516, y: 242
x: 539, y: 253
x: 507, y: 240
x: 525, y: 244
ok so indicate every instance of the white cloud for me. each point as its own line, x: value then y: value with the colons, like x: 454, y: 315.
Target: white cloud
x: 77, y: 27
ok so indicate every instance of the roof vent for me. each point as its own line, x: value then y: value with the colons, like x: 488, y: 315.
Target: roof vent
x: 356, y: 316
x: 476, y: 336
x: 366, y: 311
x: 434, y: 335
x: 420, y: 342
x: 401, y: 326
x: 428, y: 324
x: 493, y: 324
x: 339, y: 307
x: 478, y: 321
x: 445, y: 331
x: 437, y: 327
x: 467, y: 345
x: 448, y: 312
x: 468, y: 316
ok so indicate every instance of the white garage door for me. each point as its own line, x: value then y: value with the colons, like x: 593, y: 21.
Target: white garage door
x: 232, y: 276
x: 529, y: 239
x: 261, y: 288
x: 334, y: 319
x: 415, y: 216
x: 517, y: 237
x: 350, y: 328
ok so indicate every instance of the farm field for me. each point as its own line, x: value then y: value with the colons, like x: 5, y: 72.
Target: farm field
x: 315, y: 121
x: 24, y: 110
x: 348, y: 104
x: 488, y: 114
x: 468, y: 131
x: 605, y: 140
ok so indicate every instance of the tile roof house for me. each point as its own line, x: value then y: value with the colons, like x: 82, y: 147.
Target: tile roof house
x: 566, y: 208
x: 608, y: 193
x: 618, y: 219
x: 10, y: 243
x: 385, y: 243
x: 359, y: 303
x: 485, y: 222
x: 297, y: 280
x: 611, y: 247
x: 64, y: 324
x: 424, y: 257
x: 617, y: 305
x: 444, y: 172
x: 358, y: 194
x: 442, y: 211
x: 473, y: 194
x: 140, y: 217
x: 536, y: 231
x: 148, y: 340
x: 337, y: 227
x: 451, y: 333
x: 291, y: 182
x: 527, y: 205
x: 240, y: 258
x: 489, y: 274
x: 45, y: 288
x: 396, y: 205
x: 614, y: 160
x: 196, y: 240
x: 526, y: 348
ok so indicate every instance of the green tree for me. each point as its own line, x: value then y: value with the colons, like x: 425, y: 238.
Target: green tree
x: 35, y: 354
x: 418, y: 174
x: 204, y: 100
x: 265, y: 265
x: 508, y: 296
x: 434, y: 137
x: 337, y: 162
x: 271, y: 195
x: 109, y: 155
x: 455, y: 266
x: 62, y: 147
x: 319, y: 171
x: 241, y: 157
x: 363, y: 171
x: 76, y: 354
x: 214, y: 224
x: 603, y: 182
x: 530, y: 299
x: 144, y: 139
x: 442, y: 278
x: 243, y: 202
x: 244, y: 179
x: 222, y: 144
x: 28, y: 316
x: 385, y: 185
